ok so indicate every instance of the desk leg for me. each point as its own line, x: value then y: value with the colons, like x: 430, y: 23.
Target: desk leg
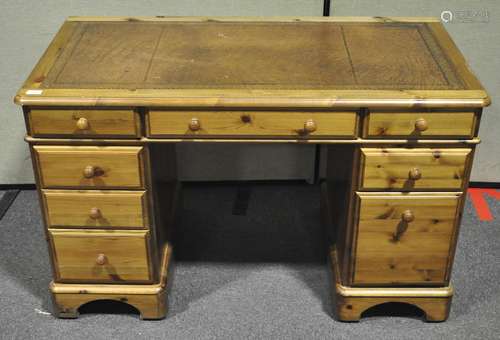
x: 340, y: 213
x: 149, y: 300
x: 351, y: 302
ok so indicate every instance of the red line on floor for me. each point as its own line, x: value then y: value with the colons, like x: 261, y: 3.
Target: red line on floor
x: 480, y: 204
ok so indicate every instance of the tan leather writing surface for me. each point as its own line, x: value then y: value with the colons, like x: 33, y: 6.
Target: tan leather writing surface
x: 252, y: 54
x: 253, y: 62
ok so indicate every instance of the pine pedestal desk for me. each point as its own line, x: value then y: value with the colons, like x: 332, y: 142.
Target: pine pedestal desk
x: 392, y: 100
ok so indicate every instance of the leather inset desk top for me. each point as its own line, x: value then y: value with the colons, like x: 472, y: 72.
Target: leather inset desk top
x: 326, y: 62
x: 286, y: 55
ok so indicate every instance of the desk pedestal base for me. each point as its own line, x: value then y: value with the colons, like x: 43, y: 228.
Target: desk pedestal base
x: 149, y: 300
x: 351, y: 302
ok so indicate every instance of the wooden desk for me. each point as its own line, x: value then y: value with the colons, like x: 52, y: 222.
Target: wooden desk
x: 391, y: 98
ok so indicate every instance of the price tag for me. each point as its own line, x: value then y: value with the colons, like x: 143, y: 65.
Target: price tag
x: 34, y: 92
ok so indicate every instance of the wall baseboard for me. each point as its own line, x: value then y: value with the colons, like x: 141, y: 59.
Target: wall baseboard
x: 493, y: 185
x: 29, y: 186
x: 26, y: 186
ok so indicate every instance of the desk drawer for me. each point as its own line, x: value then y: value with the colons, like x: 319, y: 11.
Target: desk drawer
x: 89, y: 166
x: 244, y: 124
x: 84, y: 123
x: 101, y: 256
x: 405, y: 238
x: 420, y: 124
x: 414, y: 169
x: 96, y: 209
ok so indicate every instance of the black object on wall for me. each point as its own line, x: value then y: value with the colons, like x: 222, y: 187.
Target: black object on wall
x: 317, y: 154
x: 326, y: 8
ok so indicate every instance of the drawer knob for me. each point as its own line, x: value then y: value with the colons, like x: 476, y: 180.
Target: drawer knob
x: 101, y: 259
x: 89, y: 171
x: 82, y: 123
x: 408, y: 216
x: 421, y: 125
x: 194, y: 124
x: 95, y: 213
x: 415, y: 174
x: 310, y: 126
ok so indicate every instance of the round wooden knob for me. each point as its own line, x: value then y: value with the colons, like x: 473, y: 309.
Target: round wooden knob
x: 194, y: 124
x: 82, y: 123
x: 95, y: 213
x: 421, y: 125
x: 414, y: 174
x: 310, y: 126
x: 89, y: 171
x: 101, y: 259
x: 408, y: 216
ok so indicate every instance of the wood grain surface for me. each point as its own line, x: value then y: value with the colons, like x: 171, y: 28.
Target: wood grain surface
x: 124, y: 253
x: 390, y: 124
x: 116, y: 209
x: 149, y: 299
x: 251, y: 123
x: 352, y: 302
x: 439, y: 169
x: 101, y: 123
x: 422, y: 252
x: 352, y: 308
x: 149, y: 306
x: 64, y: 166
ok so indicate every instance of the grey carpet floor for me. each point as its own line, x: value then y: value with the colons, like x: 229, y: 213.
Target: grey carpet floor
x: 262, y: 275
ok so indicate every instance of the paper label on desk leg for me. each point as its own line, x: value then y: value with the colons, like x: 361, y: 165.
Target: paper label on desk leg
x: 34, y: 92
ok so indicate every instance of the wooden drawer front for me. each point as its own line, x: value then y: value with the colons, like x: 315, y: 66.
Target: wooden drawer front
x: 412, y: 169
x: 101, y: 256
x: 251, y: 124
x: 96, y: 209
x: 89, y: 166
x: 417, y: 254
x: 84, y: 123
x: 392, y: 251
x: 406, y: 125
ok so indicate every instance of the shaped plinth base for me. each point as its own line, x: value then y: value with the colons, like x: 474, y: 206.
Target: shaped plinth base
x: 351, y: 302
x: 149, y: 300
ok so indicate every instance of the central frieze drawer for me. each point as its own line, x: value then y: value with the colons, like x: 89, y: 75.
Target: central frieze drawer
x: 101, y: 256
x: 239, y: 124
x: 89, y: 166
x: 414, y: 169
x: 96, y: 209
x: 405, y: 238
